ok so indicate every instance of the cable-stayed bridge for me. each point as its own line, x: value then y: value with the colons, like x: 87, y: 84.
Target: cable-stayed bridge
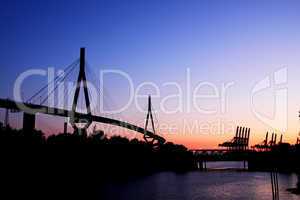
x: 30, y: 109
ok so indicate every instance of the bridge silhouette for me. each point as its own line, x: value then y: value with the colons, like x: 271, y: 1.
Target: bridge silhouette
x: 30, y: 110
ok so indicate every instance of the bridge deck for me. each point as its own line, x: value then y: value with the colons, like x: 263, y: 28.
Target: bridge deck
x: 217, y: 150
x: 211, y: 150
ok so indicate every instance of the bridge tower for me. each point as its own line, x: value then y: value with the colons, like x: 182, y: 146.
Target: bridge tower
x: 147, y: 138
x: 81, y: 79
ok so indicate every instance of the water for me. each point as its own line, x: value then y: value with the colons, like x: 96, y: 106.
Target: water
x: 198, y: 185
x: 226, y: 165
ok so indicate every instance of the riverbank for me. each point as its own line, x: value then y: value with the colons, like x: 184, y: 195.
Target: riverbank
x: 70, y: 164
x: 282, y: 158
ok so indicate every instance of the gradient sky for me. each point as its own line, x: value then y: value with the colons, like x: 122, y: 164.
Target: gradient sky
x: 219, y: 41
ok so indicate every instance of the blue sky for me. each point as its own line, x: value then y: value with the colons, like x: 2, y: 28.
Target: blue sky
x: 220, y: 41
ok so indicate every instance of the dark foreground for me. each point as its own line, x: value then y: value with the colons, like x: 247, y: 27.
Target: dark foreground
x: 72, y: 166
x: 95, y: 167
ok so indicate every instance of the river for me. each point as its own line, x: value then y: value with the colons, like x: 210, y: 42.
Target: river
x: 196, y: 185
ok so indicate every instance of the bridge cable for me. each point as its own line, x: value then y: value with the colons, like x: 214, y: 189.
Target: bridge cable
x: 59, y: 81
x: 44, y: 93
x: 110, y: 99
x: 66, y: 99
x: 156, y: 119
x: 54, y: 80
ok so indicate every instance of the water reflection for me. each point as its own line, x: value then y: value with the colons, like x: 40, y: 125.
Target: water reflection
x: 201, y: 186
x: 227, y: 165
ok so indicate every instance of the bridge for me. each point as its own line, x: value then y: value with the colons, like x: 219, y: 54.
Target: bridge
x: 210, y: 151
x: 30, y: 110
x: 237, y: 149
x: 239, y: 143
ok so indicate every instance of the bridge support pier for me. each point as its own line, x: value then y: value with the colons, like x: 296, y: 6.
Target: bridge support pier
x: 245, y: 165
x: 28, y: 122
x: 65, y: 127
x: 80, y: 131
x: 202, y: 165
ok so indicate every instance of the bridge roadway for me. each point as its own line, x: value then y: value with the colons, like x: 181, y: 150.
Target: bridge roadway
x: 201, y: 151
x: 34, y: 109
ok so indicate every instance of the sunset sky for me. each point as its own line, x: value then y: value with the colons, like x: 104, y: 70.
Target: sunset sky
x: 243, y: 45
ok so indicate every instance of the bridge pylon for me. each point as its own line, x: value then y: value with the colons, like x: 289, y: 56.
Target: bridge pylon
x: 81, y: 79
x: 147, y: 138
